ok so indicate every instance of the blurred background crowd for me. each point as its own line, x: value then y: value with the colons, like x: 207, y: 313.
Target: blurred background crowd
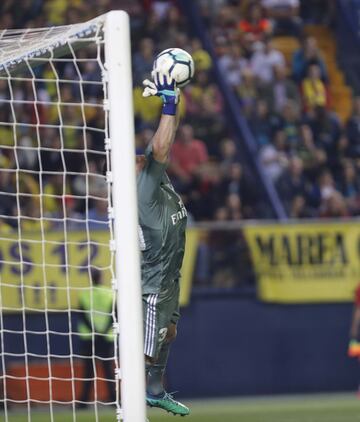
x: 280, y: 77
x: 278, y: 60
x: 307, y: 143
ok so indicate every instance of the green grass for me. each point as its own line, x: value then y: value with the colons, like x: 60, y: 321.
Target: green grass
x: 309, y: 408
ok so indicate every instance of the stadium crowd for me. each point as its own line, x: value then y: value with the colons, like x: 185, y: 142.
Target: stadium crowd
x: 309, y: 154
x: 304, y: 149
x: 312, y: 157
x: 204, y: 167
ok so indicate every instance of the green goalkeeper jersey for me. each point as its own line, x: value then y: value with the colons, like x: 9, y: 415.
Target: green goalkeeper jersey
x: 162, y: 223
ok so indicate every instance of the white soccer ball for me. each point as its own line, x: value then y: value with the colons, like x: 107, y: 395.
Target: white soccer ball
x: 178, y: 63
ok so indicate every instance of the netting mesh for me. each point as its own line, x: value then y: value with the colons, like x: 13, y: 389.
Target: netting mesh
x: 57, y: 306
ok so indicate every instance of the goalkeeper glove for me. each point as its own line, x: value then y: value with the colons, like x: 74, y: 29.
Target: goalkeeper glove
x: 354, y: 349
x: 163, y: 86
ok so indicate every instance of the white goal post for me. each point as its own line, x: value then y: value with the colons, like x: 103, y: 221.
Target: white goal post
x: 121, y: 119
x: 68, y: 211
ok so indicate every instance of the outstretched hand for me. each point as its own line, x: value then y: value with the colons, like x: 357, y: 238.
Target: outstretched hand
x: 163, y: 86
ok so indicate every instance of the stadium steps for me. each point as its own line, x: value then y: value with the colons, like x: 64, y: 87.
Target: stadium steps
x: 287, y: 45
x: 340, y: 93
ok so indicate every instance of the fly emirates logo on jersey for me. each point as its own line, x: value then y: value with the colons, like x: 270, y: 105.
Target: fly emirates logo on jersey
x: 178, y: 216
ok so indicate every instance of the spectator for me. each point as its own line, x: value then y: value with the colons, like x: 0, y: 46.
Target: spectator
x: 265, y: 60
x: 273, y: 156
x: 322, y: 190
x: 30, y: 217
x: 5, y: 228
x: 232, y: 65
x: 321, y: 12
x: 26, y: 153
x: 247, y: 91
x: 98, y: 217
x: 299, y: 208
x: 54, y: 193
x: 254, y: 24
x: 313, y: 89
x: 150, y: 29
x: 313, y: 157
x: 206, y: 192
x: 350, y: 187
x: 353, y: 128
x: 343, y: 150
x: 209, y: 123
x: 172, y: 26
x: 200, y: 92
x: 308, y: 54
x: 6, y: 135
x: 224, y: 250
x: 201, y: 57
x: 143, y: 60
x: 161, y: 8
x: 228, y: 154
x: 89, y: 181
x: 290, y: 120
x: 225, y: 28
x: 51, y: 156
x: 279, y: 91
x: 333, y: 206
x: 292, y: 182
x: 234, y: 179
x: 187, y: 155
x: 326, y: 128
x: 263, y: 123
x: 145, y: 113
x: 234, y: 206
x: 284, y: 15
x: 96, y: 335
x: 221, y: 214
x: 237, y: 182
x: 7, y: 195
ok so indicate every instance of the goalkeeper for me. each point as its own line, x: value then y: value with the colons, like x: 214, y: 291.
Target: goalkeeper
x: 162, y: 223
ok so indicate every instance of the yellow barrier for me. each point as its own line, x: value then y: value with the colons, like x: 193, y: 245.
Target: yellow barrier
x: 317, y: 262
x: 49, y: 273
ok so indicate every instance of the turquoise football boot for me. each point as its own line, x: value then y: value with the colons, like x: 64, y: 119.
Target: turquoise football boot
x: 167, y: 403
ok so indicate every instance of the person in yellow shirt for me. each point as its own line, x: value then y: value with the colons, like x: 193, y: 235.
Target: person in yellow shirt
x: 314, y: 89
x: 201, y: 57
x: 96, y: 335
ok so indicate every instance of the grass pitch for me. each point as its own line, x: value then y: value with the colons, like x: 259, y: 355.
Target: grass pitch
x: 305, y: 408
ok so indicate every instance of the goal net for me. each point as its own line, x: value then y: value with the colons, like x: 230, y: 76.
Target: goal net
x: 65, y: 116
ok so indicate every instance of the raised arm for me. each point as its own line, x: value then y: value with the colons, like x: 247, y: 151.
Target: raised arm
x: 164, y: 87
x: 164, y: 137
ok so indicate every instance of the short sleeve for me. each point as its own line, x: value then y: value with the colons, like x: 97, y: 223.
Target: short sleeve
x: 150, y: 177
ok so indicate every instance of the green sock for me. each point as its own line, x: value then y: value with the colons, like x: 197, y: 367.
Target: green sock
x: 155, y: 378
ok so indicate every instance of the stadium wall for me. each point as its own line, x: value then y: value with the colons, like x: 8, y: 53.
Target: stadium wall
x: 231, y: 345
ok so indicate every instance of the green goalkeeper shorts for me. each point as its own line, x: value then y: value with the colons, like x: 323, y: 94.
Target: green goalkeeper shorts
x: 159, y: 311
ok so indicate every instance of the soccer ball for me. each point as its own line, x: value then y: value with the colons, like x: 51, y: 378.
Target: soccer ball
x: 178, y: 63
